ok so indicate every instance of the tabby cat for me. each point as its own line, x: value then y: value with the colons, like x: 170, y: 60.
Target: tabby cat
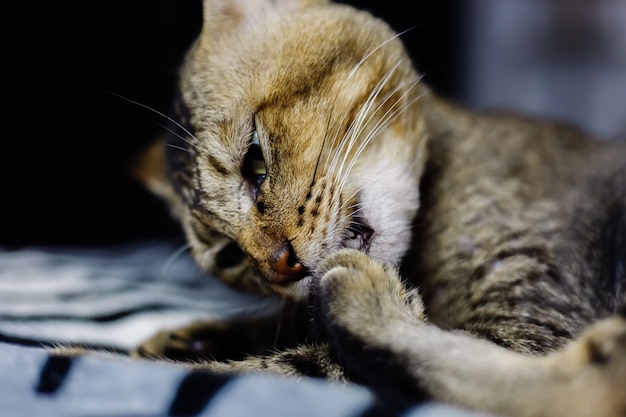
x: 426, y: 251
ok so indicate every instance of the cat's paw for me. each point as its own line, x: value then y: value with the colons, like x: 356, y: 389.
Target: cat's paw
x: 594, y: 365
x: 606, y: 344
x: 212, y: 340
x: 602, y: 346
x: 360, y: 306
x: 177, y: 344
x: 359, y: 294
x: 201, y: 341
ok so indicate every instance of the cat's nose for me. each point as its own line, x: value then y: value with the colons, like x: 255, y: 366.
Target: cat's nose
x: 287, y: 267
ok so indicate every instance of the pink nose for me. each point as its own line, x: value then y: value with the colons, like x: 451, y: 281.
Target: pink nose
x: 287, y: 268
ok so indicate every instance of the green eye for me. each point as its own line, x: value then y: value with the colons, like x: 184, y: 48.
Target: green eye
x: 257, y: 167
x: 254, y: 169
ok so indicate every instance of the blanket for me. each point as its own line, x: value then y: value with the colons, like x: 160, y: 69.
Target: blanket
x: 116, y: 297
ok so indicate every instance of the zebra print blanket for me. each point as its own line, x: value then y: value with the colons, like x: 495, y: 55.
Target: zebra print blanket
x: 115, y: 298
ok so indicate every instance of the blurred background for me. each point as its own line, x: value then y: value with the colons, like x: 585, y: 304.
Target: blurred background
x: 67, y: 144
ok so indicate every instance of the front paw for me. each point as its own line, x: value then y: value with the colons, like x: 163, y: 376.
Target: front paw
x: 357, y: 293
x: 231, y: 339
x: 344, y: 258
x: 190, y: 343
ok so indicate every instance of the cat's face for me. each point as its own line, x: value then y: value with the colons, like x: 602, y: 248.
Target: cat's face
x: 306, y: 136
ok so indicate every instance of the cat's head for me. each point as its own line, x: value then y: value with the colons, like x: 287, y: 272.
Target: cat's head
x: 304, y: 136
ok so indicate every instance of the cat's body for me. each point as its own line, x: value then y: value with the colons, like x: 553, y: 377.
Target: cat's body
x: 528, y: 237
x: 312, y: 145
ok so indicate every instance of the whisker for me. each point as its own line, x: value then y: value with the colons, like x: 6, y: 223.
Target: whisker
x: 279, y: 326
x: 364, y: 111
x: 319, y: 155
x: 178, y: 135
x: 163, y: 115
x: 331, y: 162
x: 390, y: 115
x: 393, y: 112
x: 338, y: 128
x: 353, y: 211
x: 355, y: 193
x: 370, y: 136
x: 350, y: 137
x: 397, y: 112
x: 372, y: 52
x: 352, y: 72
x: 170, y: 260
x: 180, y: 148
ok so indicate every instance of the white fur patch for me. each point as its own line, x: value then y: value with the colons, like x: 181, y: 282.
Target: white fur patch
x: 389, y: 198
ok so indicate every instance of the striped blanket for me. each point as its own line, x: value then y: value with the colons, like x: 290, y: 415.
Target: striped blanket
x: 116, y: 297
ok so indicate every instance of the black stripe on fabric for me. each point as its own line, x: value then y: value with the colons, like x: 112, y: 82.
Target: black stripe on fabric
x: 101, y: 318
x: 54, y: 374
x: 47, y: 343
x: 195, y: 392
x: 21, y: 341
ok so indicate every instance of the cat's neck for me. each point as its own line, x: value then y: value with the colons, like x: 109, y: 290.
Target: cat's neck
x: 442, y: 116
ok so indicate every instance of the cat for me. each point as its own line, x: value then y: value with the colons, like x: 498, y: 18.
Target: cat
x: 425, y: 250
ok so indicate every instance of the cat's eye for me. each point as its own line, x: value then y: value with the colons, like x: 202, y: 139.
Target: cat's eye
x: 254, y: 169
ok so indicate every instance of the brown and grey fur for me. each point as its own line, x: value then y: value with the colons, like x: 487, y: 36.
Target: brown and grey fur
x: 494, y: 274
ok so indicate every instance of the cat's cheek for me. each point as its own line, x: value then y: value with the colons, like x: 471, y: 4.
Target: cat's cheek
x: 390, y: 202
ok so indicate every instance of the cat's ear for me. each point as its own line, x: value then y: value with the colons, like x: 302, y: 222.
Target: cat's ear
x: 220, y: 16
x: 149, y: 170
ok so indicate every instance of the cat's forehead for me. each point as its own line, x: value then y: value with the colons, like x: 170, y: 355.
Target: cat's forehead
x: 313, y: 60
x: 306, y: 46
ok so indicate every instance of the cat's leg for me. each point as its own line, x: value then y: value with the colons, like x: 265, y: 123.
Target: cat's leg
x: 312, y: 360
x: 381, y: 337
x: 216, y: 340
x: 231, y: 339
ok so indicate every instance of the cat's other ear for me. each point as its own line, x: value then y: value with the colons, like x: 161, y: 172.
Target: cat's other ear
x: 149, y: 170
x: 221, y: 16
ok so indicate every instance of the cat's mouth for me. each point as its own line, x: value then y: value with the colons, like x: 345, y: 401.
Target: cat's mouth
x: 359, y: 235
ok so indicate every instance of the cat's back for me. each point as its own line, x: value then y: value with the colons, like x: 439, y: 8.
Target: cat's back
x: 495, y: 166
x: 506, y: 197
x: 547, y: 158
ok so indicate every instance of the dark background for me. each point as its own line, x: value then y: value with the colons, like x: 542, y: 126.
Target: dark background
x: 67, y: 143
